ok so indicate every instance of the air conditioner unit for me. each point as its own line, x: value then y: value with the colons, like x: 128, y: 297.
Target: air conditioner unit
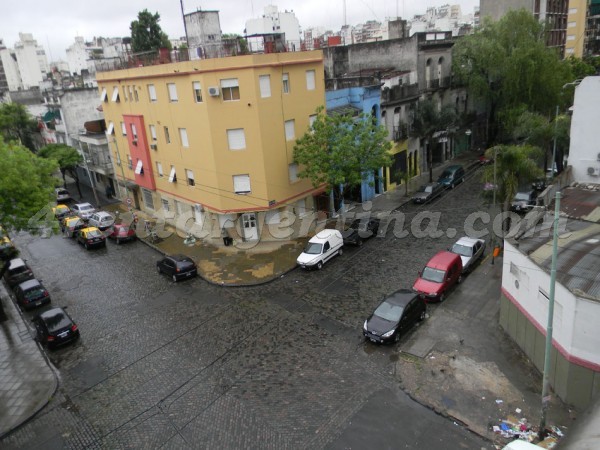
x: 134, y: 142
x: 213, y: 91
x: 594, y: 171
x: 598, y: 157
x: 154, y: 146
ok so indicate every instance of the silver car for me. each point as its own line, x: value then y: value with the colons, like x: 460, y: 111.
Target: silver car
x: 83, y: 210
x: 470, y: 251
x: 428, y: 192
x: 101, y: 220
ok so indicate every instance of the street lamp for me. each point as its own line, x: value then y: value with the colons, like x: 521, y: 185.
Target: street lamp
x: 468, y: 133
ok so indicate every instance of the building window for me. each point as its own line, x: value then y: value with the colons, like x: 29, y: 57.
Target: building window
x: 135, y: 95
x: 118, y: 159
x: 125, y: 93
x: 130, y: 93
x: 152, y: 92
x: 129, y: 162
x: 115, y: 94
x: 241, y: 184
x: 293, y: 172
x: 236, y: 139
x: 230, y: 89
x: 172, y: 92
x: 310, y: 80
x: 104, y: 95
x: 133, y: 131
x: 285, y: 79
x: 197, y: 91
x: 184, y: 137
x: 165, y: 205
x: 111, y: 128
x: 264, y: 82
x: 311, y: 120
x: 179, y: 208
x: 290, y: 134
x: 172, y: 175
x: 153, y: 132
x: 571, y: 24
x: 148, y: 199
x: 190, y: 177
x: 159, y: 170
x: 123, y: 129
x: 167, y: 136
x: 198, y: 214
x: 139, y: 168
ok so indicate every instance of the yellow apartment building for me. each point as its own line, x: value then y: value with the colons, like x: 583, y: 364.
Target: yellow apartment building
x: 210, y: 142
x: 576, y: 22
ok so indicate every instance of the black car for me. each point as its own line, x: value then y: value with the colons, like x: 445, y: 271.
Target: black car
x: 55, y: 327
x: 428, y: 192
x: 396, y: 314
x: 17, y: 272
x: 523, y: 201
x: 177, y: 267
x: 359, y: 230
x: 31, y: 293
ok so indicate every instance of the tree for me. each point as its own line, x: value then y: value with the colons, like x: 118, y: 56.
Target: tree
x: 26, y: 185
x: 428, y: 120
x: 341, y: 151
x: 146, y: 33
x: 581, y: 68
x: 17, y: 124
x: 507, y: 64
x: 67, y: 159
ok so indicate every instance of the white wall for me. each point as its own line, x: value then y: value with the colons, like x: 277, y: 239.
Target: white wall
x: 11, y: 70
x: 584, y: 151
x: 575, y: 319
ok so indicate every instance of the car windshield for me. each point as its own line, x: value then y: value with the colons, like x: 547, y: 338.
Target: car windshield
x: 57, y: 321
x: 94, y: 233
x: 123, y: 230
x: 446, y: 174
x: 425, y: 188
x: 462, y: 250
x: 389, y: 311
x: 521, y: 196
x: 106, y: 219
x: 34, y: 293
x: 313, y: 248
x: 435, y: 275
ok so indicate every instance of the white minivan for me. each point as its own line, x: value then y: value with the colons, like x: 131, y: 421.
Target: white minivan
x: 320, y: 249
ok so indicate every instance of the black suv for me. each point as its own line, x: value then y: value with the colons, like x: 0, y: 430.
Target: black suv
x: 177, y: 267
x: 359, y: 230
x: 524, y: 201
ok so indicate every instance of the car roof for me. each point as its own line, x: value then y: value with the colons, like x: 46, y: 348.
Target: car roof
x: 103, y: 213
x: 88, y: 229
x: 80, y: 205
x: 53, y: 312
x: 323, y: 235
x: 442, y: 259
x: 29, y: 284
x: 401, y: 297
x: 14, y: 263
x: 61, y: 205
x: 59, y: 189
x: 180, y: 257
x: 467, y: 241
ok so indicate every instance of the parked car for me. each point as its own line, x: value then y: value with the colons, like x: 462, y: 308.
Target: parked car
x: 55, y: 327
x: 121, y: 233
x: 470, y: 251
x: 17, y: 272
x: 61, y: 211
x: 539, y: 185
x: 62, y: 195
x: 451, y: 176
x: 7, y: 249
x: 428, y: 192
x: 359, y: 230
x: 396, y: 314
x: 523, y: 201
x: 91, y: 237
x: 31, y: 293
x: 320, y: 249
x: 101, y: 220
x: 84, y: 210
x: 177, y: 267
x: 70, y: 225
x: 442, y: 272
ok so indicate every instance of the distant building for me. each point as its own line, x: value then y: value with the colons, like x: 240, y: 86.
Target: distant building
x: 592, y: 33
x: 576, y: 23
x: 31, y: 61
x: 275, y: 23
x: 443, y: 18
x: 204, y: 36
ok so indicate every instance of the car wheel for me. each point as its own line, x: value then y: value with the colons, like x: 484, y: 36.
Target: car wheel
x: 87, y: 247
x: 319, y: 265
x: 359, y: 242
x: 118, y: 241
x: 174, y: 278
x: 341, y: 251
x: 397, y: 337
x: 423, y: 315
x: 460, y: 278
x: 442, y: 297
x: 158, y: 269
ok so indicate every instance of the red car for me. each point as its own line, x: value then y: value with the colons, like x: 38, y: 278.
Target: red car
x: 442, y: 272
x: 121, y: 232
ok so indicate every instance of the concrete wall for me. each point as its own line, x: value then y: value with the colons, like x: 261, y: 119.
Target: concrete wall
x: 78, y: 107
x: 584, y: 152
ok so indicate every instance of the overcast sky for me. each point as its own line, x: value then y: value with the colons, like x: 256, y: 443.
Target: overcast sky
x: 55, y: 24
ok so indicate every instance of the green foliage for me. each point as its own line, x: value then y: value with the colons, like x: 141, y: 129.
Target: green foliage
x: 17, y: 124
x: 66, y: 157
x: 146, y: 33
x: 26, y: 185
x: 581, y: 68
x: 506, y: 64
x: 341, y: 150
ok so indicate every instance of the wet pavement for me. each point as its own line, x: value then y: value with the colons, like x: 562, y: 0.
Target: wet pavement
x: 276, y: 365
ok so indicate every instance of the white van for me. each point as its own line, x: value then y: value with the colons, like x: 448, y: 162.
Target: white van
x: 320, y: 249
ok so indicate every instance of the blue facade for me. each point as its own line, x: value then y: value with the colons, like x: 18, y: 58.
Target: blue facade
x: 367, y: 100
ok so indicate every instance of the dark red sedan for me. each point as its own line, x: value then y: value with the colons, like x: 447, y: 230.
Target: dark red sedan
x: 121, y: 233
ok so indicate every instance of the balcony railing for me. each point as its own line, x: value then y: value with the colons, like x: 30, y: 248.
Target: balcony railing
x: 400, y: 92
x: 401, y: 132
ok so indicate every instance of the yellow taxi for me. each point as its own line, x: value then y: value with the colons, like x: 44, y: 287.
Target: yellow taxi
x: 70, y: 225
x: 7, y: 249
x: 61, y: 211
x: 91, y: 237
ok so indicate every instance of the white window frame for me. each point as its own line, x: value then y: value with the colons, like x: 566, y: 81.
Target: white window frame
x: 285, y: 83
x: 172, y: 88
x: 183, y: 136
x: 129, y: 162
x: 172, y: 175
x: 166, y: 206
x: 123, y: 129
x: 189, y: 175
x: 104, y: 95
x: 118, y: 159
x: 111, y: 128
x: 197, y: 87
x: 230, y: 85
x: 159, y: 169
x: 152, y: 92
x: 153, y: 132
x: 139, y: 167
x: 148, y: 198
x: 241, y: 184
x: 290, y: 130
x: 293, y: 172
x: 264, y: 83
x: 311, y: 120
x: 115, y: 94
x: 236, y: 139
x: 310, y: 80
x: 134, y: 131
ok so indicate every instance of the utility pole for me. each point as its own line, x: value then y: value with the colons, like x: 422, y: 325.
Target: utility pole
x: 549, y: 326
x: 494, y: 205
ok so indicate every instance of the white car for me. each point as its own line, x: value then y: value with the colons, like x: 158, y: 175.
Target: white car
x: 83, y: 210
x: 470, y: 251
x: 101, y: 220
x: 320, y: 249
x: 62, y: 194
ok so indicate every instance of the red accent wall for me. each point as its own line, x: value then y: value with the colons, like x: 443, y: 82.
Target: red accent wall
x: 140, y: 151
